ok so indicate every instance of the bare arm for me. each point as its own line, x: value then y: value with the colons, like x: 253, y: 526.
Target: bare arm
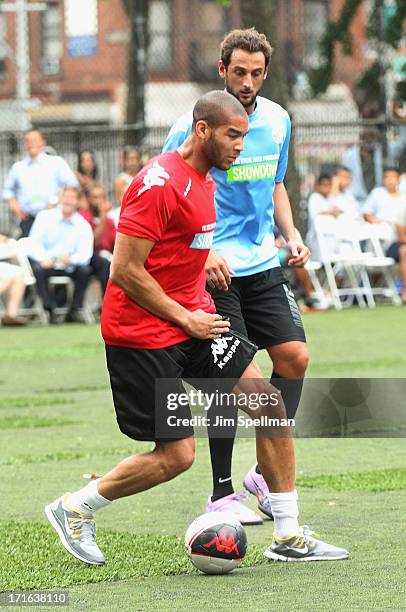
x: 370, y: 218
x: 128, y: 272
x: 284, y: 221
x: 401, y: 231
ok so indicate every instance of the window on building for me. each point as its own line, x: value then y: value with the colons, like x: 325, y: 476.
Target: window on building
x: 3, y: 45
x: 315, y: 21
x: 205, y: 43
x: 52, y: 46
x: 160, y: 52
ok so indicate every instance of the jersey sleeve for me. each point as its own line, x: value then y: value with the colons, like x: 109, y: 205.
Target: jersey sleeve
x: 284, y: 154
x: 147, y: 214
x: 178, y: 134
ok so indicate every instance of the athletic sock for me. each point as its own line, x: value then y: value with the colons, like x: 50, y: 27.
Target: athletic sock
x: 291, y: 391
x: 285, y: 513
x: 221, y: 452
x: 87, y: 499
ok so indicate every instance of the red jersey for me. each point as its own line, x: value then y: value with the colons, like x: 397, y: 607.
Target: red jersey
x: 171, y: 204
x: 109, y: 234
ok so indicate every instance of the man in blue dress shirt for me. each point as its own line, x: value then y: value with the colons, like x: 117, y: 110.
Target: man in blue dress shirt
x: 35, y: 182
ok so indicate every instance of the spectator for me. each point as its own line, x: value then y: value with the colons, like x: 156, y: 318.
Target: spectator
x: 12, y: 281
x: 387, y: 205
x: 87, y: 171
x: 365, y: 160
x: 132, y: 165
x: 35, y: 182
x: 62, y: 245
x: 341, y: 200
x: 104, y: 233
x: 318, y: 204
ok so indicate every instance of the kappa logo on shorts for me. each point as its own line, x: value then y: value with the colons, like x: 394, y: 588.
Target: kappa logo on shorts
x: 156, y: 175
x: 220, y: 346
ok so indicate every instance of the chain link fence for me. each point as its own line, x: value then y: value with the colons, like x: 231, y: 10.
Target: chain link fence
x: 317, y: 146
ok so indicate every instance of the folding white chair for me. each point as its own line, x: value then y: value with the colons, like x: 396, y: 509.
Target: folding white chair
x: 312, y: 268
x: 371, y: 236
x: 24, y: 248
x: 340, y: 264
x: 14, y: 251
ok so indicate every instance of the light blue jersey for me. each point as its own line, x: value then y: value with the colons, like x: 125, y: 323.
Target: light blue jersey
x: 244, y: 196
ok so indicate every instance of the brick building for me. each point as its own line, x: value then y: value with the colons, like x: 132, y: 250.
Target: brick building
x: 81, y: 77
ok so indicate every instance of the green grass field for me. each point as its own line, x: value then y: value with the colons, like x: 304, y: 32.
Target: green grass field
x: 57, y: 423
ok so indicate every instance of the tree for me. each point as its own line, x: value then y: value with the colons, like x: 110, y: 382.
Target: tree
x: 137, y: 11
x: 384, y: 28
x: 261, y: 14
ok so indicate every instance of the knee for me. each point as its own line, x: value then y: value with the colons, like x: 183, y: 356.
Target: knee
x: 297, y: 361
x: 83, y: 271
x: 302, y: 360
x: 402, y: 251
x: 176, y: 458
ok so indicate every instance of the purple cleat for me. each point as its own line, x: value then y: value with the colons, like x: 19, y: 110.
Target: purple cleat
x: 256, y: 485
x: 233, y: 503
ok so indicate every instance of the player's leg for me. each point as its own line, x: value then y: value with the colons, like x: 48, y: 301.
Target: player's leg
x: 273, y: 322
x: 224, y: 498
x: 72, y: 514
x: 275, y: 455
x: 133, y: 374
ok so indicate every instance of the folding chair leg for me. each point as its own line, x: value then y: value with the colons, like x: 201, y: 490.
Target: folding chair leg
x: 332, y: 285
x: 368, y: 289
x: 391, y: 285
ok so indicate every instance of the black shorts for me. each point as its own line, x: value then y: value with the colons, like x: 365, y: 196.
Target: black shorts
x: 262, y: 307
x: 134, y: 374
x: 394, y: 251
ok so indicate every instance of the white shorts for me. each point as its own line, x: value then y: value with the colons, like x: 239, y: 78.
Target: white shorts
x: 8, y: 270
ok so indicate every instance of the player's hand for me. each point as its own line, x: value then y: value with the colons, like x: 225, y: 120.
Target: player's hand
x: 300, y: 254
x: 205, y: 326
x: 218, y: 272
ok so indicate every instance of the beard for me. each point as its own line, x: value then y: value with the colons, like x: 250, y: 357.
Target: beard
x: 214, y: 155
x: 246, y: 102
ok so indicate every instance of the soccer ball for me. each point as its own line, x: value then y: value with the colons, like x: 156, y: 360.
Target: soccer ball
x: 216, y: 543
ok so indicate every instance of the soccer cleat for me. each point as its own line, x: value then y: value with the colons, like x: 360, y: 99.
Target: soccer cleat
x: 256, y: 485
x: 233, y: 503
x: 76, y: 531
x: 303, y: 547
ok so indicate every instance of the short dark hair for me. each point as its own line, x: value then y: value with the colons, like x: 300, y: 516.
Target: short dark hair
x: 215, y: 107
x: 248, y: 40
x: 341, y: 168
x: 391, y: 169
x: 323, y: 177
